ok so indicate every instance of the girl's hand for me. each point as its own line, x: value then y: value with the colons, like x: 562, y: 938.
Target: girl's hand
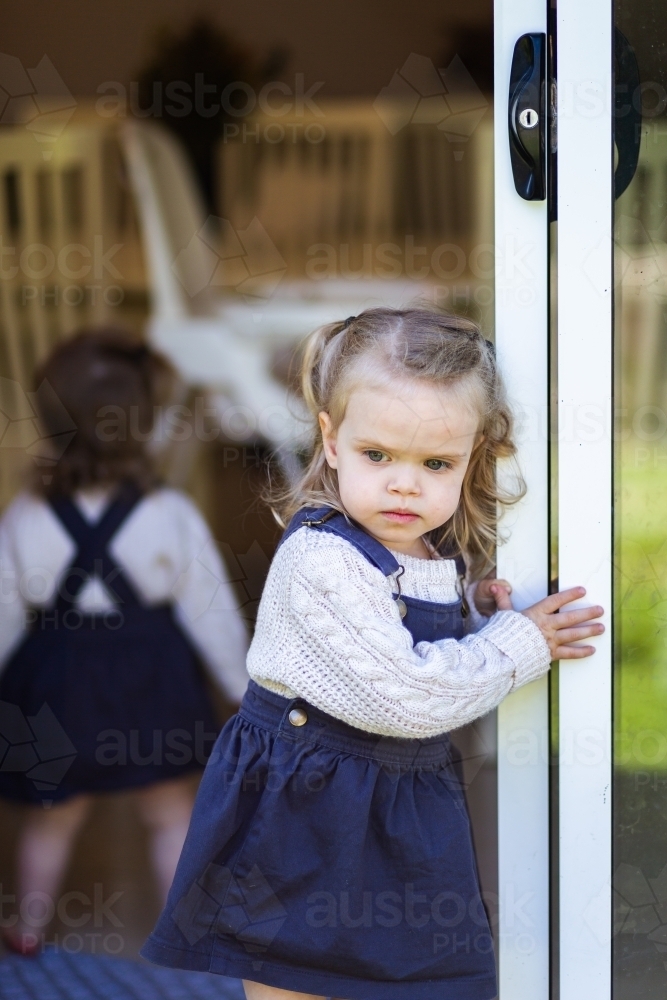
x: 559, y: 628
x: 486, y: 595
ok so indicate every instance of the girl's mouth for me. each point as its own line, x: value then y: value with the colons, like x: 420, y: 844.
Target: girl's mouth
x: 401, y: 516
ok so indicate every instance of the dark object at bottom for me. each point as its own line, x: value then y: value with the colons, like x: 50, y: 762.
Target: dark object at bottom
x: 58, y: 975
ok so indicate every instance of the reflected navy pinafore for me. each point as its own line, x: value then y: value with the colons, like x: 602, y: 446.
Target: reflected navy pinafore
x: 100, y: 702
x: 323, y: 859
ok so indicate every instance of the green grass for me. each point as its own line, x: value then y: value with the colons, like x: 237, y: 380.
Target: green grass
x: 641, y: 612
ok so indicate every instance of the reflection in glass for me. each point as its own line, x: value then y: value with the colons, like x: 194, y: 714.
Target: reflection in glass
x: 640, y: 353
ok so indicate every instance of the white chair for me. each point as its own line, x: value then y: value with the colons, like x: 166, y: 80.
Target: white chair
x: 220, y: 306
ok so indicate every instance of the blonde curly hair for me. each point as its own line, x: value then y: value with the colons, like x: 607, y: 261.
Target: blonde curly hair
x: 426, y: 346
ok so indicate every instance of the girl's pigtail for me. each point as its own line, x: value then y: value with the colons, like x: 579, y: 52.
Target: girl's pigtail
x: 320, y: 363
x: 317, y: 366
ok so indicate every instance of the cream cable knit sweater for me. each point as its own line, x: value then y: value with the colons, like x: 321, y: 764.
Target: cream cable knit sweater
x: 329, y: 631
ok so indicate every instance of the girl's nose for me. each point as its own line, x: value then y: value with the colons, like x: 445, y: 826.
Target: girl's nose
x: 404, y: 485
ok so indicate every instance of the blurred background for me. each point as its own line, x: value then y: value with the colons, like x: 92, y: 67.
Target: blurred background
x: 219, y: 180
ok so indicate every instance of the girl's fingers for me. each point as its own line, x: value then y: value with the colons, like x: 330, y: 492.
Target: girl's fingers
x: 485, y: 587
x: 566, y: 619
x: 572, y: 652
x: 568, y: 635
x: 502, y: 598
x: 555, y: 601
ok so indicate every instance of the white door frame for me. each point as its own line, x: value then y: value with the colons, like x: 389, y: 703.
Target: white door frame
x: 521, y: 240
x: 585, y: 339
x: 585, y: 499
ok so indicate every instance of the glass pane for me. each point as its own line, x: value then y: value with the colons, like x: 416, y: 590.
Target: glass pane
x: 640, y: 257
x: 349, y: 163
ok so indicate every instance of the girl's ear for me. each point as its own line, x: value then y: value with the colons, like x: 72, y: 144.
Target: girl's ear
x: 478, y: 440
x: 329, y: 439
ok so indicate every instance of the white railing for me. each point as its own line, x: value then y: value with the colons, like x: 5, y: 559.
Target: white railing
x: 357, y: 174
x: 110, y: 228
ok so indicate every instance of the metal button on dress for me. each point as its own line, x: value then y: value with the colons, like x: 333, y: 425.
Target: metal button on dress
x: 402, y: 609
x: 298, y: 717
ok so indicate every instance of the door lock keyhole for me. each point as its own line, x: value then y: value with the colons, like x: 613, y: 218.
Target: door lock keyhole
x: 529, y: 118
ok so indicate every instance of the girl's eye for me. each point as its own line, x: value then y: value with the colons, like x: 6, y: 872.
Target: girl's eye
x: 437, y: 464
x: 375, y: 456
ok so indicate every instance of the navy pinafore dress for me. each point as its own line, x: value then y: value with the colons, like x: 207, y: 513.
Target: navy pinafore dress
x: 323, y: 859
x: 100, y: 702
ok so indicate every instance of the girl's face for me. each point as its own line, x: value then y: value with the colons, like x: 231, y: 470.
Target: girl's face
x: 401, y: 454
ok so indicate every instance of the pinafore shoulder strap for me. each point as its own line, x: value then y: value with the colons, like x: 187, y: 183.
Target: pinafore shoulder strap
x: 328, y: 519
x: 92, y: 557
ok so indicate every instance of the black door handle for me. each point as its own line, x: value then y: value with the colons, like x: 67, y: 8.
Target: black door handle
x: 627, y: 112
x: 528, y: 117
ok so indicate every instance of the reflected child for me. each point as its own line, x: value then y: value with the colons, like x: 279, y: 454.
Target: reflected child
x: 105, y: 618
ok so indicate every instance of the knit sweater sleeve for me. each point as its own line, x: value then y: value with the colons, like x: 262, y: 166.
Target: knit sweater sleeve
x: 349, y: 654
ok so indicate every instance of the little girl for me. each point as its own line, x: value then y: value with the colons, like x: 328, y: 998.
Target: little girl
x: 329, y: 853
x: 112, y: 591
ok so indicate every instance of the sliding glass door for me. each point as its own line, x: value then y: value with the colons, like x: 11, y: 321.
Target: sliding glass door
x: 611, y: 397
x: 589, y: 749
x: 640, y: 522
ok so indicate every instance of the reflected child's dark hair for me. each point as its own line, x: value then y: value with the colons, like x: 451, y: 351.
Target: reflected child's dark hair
x: 108, y: 384
x: 379, y: 347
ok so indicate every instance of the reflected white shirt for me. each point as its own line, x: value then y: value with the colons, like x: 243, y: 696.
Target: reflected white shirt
x: 168, y: 554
